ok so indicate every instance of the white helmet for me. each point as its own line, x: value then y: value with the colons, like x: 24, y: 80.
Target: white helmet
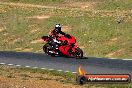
x: 57, y: 28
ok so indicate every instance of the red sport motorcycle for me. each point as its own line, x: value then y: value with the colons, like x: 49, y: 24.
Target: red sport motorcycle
x: 68, y: 49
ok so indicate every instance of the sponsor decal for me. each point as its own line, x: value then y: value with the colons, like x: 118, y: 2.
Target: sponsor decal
x: 83, y: 77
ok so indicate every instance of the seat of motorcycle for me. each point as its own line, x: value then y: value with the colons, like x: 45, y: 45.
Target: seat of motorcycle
x: 67, y: 36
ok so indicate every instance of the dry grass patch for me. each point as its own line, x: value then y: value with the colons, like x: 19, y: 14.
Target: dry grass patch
x: 32, y: 83
x: 66, y: 28
x: 39, y: 17
x: 118, y: 52
x: 34, y: 30
x: 39, y: 51
x: 18, y: 49
x: 10, y: 39
x: 82, y: 47
x: 82, y: 5
x: 27, y: 49
x: 5, y: 34
x: 26, y: 5
x: 31, y: 79
x: 37, y: 41
x: 15, y: 40
x: 3, y: 10
x: 2, y: 29
x: 112, y: 41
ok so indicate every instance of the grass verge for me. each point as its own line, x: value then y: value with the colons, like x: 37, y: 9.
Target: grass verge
x: 98, y: 33
x: 25, y: 74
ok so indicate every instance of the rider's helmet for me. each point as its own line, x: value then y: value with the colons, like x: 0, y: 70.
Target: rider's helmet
x: 57, y: 28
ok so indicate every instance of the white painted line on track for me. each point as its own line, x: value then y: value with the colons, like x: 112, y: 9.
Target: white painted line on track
x: 18, y: 65
x: 127, y: 59
x: 35, y: 67
x: 74, y: 72
x: 43, y: 68
x: 67, y: 71
x: 112, y: 58
x: 27, y: 66
x: 59, y: 70
x: 10, y: 64
x: 119, y: 59
x: 2, y: 63
x: 51, y: 69
x: 116, y: 58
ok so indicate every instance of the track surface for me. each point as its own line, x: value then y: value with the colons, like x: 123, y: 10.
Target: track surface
x: 90, y: 64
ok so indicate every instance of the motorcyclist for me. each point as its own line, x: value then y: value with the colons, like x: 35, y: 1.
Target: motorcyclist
x: 63, y: 45
x: 55, y: 33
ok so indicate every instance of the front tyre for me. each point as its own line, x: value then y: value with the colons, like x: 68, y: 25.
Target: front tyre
x: 78, y: 53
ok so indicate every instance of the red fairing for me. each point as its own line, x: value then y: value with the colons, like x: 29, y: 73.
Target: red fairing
x: 70, y: 41
x: 64, y: 49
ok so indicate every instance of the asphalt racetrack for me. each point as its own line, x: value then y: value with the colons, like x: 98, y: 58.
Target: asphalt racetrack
x: 92, y: 65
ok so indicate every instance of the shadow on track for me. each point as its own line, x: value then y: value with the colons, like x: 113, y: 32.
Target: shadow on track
x: 12, y: 55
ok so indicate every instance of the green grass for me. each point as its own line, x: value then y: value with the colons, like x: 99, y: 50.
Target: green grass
x: 116, y: 4
x: 100, y: 4
x: 42, y: 2
x: 94, y: 31
x: 69, y: 77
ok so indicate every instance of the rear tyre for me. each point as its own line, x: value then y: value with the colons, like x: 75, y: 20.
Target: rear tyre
x: 78, y: 53
x: 47, y: 48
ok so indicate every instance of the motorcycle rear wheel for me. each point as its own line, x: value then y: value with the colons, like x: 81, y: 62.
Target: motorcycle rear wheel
x: 46, y: 48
